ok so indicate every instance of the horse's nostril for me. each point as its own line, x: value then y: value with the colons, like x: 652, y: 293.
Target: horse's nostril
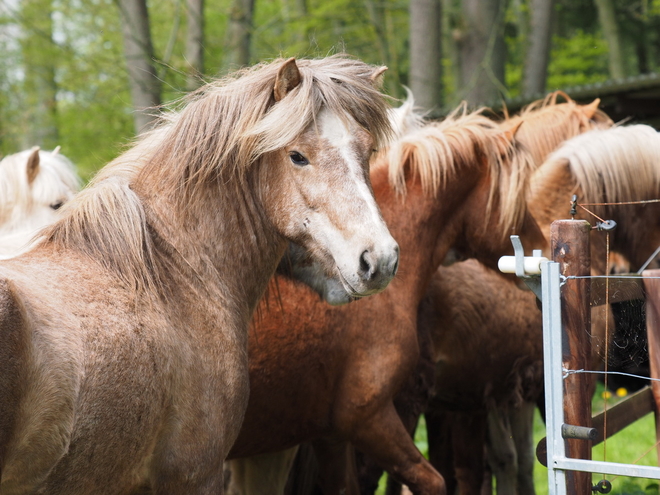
x: 365, y: 266
x: 368, y: 266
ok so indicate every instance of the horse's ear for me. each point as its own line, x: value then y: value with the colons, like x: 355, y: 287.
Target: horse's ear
x: 33, y: 165
x: 590, y: 109
x: 288, y: 77
x: 376, y: 76
x: 56, y: 150
x: 510, y: 133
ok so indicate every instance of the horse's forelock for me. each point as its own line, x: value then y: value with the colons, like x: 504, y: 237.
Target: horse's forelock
x: 228, y: 125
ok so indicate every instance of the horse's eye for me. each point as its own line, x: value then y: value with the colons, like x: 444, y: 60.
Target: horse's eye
x: 298, y: 159
x: 57, y: 205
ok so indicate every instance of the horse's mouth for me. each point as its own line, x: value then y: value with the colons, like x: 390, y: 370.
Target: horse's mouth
x: 351, y: 293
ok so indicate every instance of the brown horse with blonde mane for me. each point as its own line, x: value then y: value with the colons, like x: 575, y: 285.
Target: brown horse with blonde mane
x: 463, y: 430
x: 329, y: 374
x: 541, y: 127
x: 123, y: 333
x: 600, y: 166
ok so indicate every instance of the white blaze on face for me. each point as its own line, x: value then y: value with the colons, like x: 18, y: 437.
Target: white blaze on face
x: 342, y: 138
x: 363, y: 228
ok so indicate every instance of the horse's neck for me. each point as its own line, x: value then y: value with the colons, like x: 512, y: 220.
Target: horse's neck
x: 424, y: 226
x: 550, y: 198
x: 223, y: 245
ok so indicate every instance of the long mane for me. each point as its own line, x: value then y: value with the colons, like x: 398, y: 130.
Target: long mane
x: 437, y: 151
x: 220, y: 130
x: 611, y: 165
x: 548, y: 123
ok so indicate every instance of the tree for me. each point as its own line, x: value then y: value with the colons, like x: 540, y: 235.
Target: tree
x: 138, y: 49
x: 39, y: 59
x: 538, y: 53
x: 195, y: 42
x: 239, y: 33
x: 482, y: 51
x: 425, y: 78
x: 607, y: 16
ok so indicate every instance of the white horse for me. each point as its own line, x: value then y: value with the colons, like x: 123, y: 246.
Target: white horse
x: 33, y: 186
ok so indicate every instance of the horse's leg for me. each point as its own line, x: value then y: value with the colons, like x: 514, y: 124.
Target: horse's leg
x: 264, y: 474
x: 522, y: 427
x: 502, y: 455
x: 337, y: 471
x: 304, y: 472
x: 384, y: 438
x: 468, y: 440
x: 439, y: 437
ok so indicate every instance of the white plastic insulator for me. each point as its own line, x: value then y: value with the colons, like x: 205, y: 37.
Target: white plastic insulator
x: 531, y: 264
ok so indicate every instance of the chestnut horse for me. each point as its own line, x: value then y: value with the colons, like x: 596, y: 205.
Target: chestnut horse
x: 34, y: 184
x: 543, y: 125
x: 599, y: 166
x: 329, y: 374
x: 123, y: 332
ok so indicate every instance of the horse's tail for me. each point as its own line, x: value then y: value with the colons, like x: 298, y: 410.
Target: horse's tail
x: 13, y: 351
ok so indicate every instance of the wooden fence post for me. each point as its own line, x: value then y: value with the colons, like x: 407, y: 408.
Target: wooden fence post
x: 569, y: 241
x: 652, y: 287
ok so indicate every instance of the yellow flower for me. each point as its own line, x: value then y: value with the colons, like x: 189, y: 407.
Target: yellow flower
x: 621, y: 392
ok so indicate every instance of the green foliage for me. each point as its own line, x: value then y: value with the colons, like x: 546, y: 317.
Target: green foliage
x: 79, y: 47
x: 632, y: 445
x: 580, y: 59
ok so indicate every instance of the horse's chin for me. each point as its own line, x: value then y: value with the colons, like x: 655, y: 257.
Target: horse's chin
x: 337, y: 295
x: 338, y: 290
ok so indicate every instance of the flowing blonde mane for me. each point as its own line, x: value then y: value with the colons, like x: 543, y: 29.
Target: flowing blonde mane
x: 221, y: 130
x: 547, y: 123
x: 437, y: 151
x: 611, y: 165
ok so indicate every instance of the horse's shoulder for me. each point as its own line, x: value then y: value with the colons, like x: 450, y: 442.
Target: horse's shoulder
x: 12, y: 350
x: 12, y: 314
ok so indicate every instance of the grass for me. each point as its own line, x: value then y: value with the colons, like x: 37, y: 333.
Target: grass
x: 633, y: 445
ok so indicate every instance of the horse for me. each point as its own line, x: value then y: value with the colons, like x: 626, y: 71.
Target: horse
x: 34, y: 184
x: 600, y: 166
x: 328, y: 375
x: 123, y: 331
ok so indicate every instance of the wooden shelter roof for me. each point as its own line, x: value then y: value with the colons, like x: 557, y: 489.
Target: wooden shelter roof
x: 635, y: 98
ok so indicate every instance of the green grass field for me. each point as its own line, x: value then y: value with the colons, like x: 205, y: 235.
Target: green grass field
x: 633, y: 445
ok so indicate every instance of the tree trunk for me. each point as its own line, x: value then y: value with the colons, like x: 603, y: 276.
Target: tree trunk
x: 607, y: 16
x: 538, y: 53
x: 482, y: 51
x: 239, y: 34
x: 426, y: 53
x: 40, y: 86
x: 139, y: 53
x: 382, y: 24
x: 195, y: 42
x: 450, y: 14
